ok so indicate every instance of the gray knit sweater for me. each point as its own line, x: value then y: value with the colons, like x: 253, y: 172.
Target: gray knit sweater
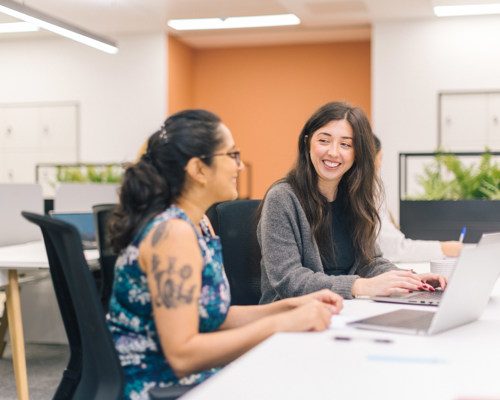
x: 291, y: 263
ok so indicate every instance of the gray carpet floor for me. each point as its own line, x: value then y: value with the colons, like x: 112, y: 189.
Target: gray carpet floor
x: 45, y: 364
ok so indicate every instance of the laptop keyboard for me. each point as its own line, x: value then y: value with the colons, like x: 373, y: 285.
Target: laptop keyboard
x: 427, y: 295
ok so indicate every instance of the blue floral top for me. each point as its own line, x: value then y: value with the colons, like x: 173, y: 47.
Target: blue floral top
x: 130, y: 317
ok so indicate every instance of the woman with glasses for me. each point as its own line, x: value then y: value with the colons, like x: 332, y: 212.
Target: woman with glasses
x: 170, y: 312
x: 318, y: 225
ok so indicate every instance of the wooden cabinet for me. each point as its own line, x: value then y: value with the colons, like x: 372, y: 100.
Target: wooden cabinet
x: 35, y: 133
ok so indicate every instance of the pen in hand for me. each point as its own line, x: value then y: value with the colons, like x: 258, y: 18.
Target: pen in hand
x: 462, y: 235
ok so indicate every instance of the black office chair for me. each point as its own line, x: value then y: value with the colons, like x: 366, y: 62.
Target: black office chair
x: 107, y: 258
x: 211, y: 214
x: 240, y: 249
x: 93, y: 371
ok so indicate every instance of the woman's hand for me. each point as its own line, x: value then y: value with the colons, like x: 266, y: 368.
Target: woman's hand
x: 390, y: 282
x: 434, y: 280
x: 452, y: 248
x: 325, y: 296
x: 311, y: 312
x: 313, y: 315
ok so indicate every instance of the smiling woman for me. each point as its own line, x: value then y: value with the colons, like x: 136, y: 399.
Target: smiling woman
x: 318, y: 225
x: 332, y: 155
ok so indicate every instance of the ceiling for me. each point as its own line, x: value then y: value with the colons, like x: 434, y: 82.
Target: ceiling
x: 322, y: 20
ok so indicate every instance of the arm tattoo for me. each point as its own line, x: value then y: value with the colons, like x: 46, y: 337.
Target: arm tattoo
x: 172, y: 293
x: 161, y: 231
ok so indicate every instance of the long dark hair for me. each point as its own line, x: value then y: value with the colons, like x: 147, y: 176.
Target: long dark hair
x: 157, y: 179
x: 360, y: 185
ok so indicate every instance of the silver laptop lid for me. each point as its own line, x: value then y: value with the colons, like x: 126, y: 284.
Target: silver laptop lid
x: 470, y: 286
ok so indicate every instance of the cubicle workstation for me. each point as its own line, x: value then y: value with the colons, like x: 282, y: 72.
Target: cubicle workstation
x: 42, y: 321
x: 22, y: 252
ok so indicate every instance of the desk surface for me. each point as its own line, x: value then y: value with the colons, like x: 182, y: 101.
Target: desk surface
x: 462, y: 363
x: 32, y: 255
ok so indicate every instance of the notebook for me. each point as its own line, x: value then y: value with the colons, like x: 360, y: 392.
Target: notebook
x: 83, y: 222
x: 476, y: 272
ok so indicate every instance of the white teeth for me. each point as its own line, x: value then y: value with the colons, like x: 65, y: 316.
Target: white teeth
x: 331, y: 164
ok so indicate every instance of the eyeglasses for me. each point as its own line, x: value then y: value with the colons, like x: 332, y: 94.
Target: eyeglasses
x: 234, y: 154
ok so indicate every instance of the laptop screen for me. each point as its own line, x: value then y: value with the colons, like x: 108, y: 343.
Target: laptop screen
x: 83, y: 222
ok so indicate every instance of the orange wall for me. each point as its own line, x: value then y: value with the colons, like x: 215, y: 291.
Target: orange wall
x: 265, y: 94
x: 180, y: 76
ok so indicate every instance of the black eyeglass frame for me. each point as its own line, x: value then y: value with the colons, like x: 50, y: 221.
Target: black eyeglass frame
x: 234, y: 154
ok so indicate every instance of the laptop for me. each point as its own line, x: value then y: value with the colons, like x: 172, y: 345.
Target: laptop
x: 475, y: 274
x: 421, y: 297
x: 424, y: 297
x: 83, y: 222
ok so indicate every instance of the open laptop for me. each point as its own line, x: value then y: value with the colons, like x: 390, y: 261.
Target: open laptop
x: 83, y: 222
x: 463, y: 301
x: 424, y: 297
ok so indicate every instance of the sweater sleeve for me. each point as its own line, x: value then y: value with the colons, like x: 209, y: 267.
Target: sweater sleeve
x: 377, y: 266
x: 397, y: 248
x: 290, y: 258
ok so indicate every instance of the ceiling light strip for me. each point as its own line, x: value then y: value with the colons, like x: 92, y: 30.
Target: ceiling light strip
x: 234, y: 22
x: 467, y: 9
x: 57, y: 26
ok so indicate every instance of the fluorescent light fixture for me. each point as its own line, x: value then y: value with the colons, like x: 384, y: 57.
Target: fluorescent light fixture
x: 234, y: 22
x: 55, y: 25
x: 467, y: 9
x: 16, y: 27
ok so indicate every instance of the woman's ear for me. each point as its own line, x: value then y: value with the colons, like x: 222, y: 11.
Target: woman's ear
x: 197, y: 171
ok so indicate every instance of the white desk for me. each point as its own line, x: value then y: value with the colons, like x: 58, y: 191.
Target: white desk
x: 14, y: 258
x: 463, y: 363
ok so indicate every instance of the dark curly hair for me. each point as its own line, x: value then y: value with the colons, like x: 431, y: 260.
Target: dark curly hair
x: 153, y: 183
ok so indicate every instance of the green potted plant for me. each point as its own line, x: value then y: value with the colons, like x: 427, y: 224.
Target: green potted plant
x: 454, y: 194
x: 97, y: 173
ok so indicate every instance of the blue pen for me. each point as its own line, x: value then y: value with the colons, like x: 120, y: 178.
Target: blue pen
x: 462, y: 235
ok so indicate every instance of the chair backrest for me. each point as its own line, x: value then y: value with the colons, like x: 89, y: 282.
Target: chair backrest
x: 211, y: 214
x: 240, y: 249
x: 82, y: 196
x: 107, y: 258
x: 93, y: 371
x: 14, y: 198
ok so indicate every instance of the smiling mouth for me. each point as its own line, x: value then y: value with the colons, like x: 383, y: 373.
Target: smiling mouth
x: 331, y: 164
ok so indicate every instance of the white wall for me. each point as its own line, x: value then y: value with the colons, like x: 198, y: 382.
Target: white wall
x: 412, y: 62
x: 122, y: 97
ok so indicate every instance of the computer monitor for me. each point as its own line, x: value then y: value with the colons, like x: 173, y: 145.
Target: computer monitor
x: 84, y: 223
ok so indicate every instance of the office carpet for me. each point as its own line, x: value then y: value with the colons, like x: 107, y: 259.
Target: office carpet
x: 45, y: 364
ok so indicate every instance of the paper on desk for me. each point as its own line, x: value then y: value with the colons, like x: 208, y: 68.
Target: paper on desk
x: 340, y: 321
